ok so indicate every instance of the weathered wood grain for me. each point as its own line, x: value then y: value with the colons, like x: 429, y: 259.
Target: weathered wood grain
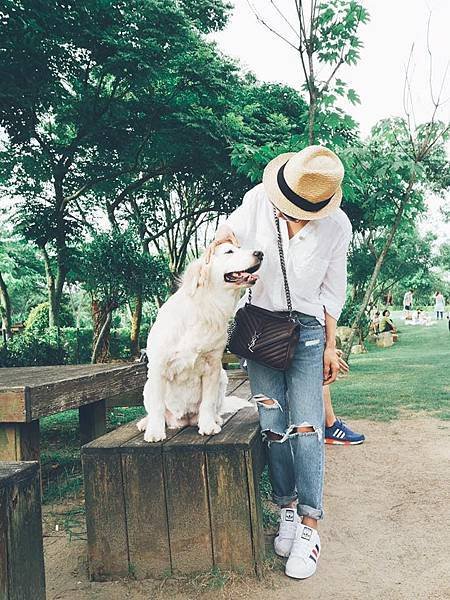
x: 19, y: 441
x: 92, y: 418
x: 146, y: 511
x: 21, y: 532
x: 13, y: 404
x: 55, y: 389
x: 105, y: 504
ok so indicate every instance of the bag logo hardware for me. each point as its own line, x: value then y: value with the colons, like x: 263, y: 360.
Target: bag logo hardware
x: 253, y: 341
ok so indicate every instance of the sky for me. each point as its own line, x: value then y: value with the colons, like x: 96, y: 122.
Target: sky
x: 394, y: 27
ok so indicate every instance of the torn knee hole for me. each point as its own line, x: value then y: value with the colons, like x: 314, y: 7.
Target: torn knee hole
x: 266, y: 401
x: 270, y: 435
x: 302, y: 429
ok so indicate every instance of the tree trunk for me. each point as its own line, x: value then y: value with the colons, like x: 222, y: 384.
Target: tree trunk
x: 5, y: 306
x: 52, y: 308
x: 136, y: 319
x: 101, y: 320
x: 311, y: 118
x: 377, y: 269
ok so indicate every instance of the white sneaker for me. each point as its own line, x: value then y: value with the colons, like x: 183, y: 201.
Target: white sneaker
x: 286, y: 533
x: 302, y: 561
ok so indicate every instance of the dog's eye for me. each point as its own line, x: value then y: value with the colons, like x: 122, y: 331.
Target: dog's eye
x: 229, y: 252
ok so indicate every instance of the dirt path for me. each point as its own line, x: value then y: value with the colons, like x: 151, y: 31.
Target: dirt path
x: 386, y: 534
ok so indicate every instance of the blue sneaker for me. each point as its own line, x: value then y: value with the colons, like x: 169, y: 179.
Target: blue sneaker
x: 341, y: 435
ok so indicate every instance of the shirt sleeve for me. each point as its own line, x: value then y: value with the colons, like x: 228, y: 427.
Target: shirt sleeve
x: 241, y: 220
x: 334, y: 285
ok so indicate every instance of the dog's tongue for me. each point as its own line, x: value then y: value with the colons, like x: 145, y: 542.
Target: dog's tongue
x: 244, y: 276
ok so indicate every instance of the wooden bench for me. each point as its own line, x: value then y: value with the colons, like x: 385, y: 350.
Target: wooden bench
x: 21, y: 552
x: 181, y: 506
x: 29, y: 393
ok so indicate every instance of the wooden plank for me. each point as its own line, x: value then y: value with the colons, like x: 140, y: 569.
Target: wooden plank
x: 77, y: 391
x: 239, y: 432
x: 129, y: 398
x: 255, y: 459
x: 13, y: 406
x: 3, y: 543
x: 111, y: 442
x: 92, y: 419
x: 105, y: 504
x: 19, y: 441
x: 145, y: 504
x: 24, y: 549
x: 105, y: 516
x: 230, y: 511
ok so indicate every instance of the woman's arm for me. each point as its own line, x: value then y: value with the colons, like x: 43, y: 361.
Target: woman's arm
x: 330, y: 356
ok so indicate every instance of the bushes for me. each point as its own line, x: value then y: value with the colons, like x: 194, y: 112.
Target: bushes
x: 38, y: 317
x: 32, y: 349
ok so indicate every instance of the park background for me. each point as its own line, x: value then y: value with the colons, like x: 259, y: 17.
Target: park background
x: 130, y: 129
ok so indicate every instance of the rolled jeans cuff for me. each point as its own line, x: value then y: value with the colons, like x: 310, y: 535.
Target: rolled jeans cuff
x: 282, y: 500
x: 308, y: 511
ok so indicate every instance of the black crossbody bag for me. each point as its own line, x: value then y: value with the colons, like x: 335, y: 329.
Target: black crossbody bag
x: 265, y: 336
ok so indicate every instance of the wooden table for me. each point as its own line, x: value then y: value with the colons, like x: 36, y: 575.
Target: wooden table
x: 29, y: 393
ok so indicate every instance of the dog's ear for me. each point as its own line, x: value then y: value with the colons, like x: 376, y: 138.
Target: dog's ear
x: 196, y: 275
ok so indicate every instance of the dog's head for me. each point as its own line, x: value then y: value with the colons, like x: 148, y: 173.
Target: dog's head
x: 229, y: 267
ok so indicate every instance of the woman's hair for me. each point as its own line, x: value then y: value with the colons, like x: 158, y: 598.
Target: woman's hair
x: 377, y: 314
x: 385, y: 312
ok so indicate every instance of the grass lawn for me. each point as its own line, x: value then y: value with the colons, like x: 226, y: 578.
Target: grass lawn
x: 413, y: 375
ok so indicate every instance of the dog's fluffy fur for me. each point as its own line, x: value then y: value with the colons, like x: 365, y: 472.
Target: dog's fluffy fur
x: 186, y: 383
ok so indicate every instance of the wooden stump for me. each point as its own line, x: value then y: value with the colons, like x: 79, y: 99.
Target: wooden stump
x: 181, y: 506
x: 385, y: 340
x: 22, y: 559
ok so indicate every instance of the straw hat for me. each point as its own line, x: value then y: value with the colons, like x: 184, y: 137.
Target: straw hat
x: 306, y: 184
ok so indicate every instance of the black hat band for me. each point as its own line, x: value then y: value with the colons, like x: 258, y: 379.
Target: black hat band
x: 295, y: 198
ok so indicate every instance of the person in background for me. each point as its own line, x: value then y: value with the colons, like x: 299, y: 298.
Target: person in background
x: 375, y: 324
x: 439, y: 305
x: 408, y: 301
x: 386, y: 323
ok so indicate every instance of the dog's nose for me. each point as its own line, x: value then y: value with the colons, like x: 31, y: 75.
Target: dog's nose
x: 259, y: 254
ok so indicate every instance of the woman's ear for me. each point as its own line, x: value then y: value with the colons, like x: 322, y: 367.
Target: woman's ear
x: 196, y: 275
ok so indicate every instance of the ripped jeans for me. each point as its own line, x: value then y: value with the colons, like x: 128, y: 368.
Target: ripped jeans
x: 296, y: 460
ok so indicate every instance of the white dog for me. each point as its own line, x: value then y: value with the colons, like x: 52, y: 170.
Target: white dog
x: 186, y: 383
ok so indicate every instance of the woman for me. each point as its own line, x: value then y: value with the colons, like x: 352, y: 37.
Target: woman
x: 386, y: 323
x: 439, y: 305
x: 303, y: 190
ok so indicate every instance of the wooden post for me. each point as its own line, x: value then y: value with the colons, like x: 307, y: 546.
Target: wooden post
x: 92, y: 421
x: 19, y: 441
x: 21, y: 550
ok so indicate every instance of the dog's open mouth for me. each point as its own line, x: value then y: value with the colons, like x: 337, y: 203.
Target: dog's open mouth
x: 243, y: 277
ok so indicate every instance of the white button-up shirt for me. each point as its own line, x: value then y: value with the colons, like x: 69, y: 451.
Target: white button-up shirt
x: 316, y: 257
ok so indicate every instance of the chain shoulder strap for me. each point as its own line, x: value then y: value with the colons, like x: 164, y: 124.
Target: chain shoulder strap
x: 283, y: 263
x: 283, y: 267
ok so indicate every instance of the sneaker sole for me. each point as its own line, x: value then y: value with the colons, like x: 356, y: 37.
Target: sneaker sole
x: 281, y: 555
x: 339, y: 443
x: 297, y: 577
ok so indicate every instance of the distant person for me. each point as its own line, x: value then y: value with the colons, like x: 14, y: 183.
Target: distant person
x: 386, y: 323
x: 439, y: 305
x: 388, y: 299
x: 408, y: 301
x: 375, y: 324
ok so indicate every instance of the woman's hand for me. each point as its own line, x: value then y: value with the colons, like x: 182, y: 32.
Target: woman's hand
x: 343, y: 366
x: 223, y: 235
x: 330, y: 365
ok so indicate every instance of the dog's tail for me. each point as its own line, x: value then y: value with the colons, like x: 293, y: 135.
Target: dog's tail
x: 232, y: 404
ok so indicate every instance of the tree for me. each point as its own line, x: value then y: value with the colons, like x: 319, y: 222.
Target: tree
x: 112, y: 270
x: 324, y: 34
x: 395, y: 169
x: 85, y: 89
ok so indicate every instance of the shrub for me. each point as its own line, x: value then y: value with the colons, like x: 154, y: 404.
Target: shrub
x: 32, y: 349
x: 38, y: 317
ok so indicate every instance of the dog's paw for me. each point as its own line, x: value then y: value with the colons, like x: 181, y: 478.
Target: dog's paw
x: 142, y: 424
x: 219, y: 420
x: 154, y: 435
x: 208, y: 428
